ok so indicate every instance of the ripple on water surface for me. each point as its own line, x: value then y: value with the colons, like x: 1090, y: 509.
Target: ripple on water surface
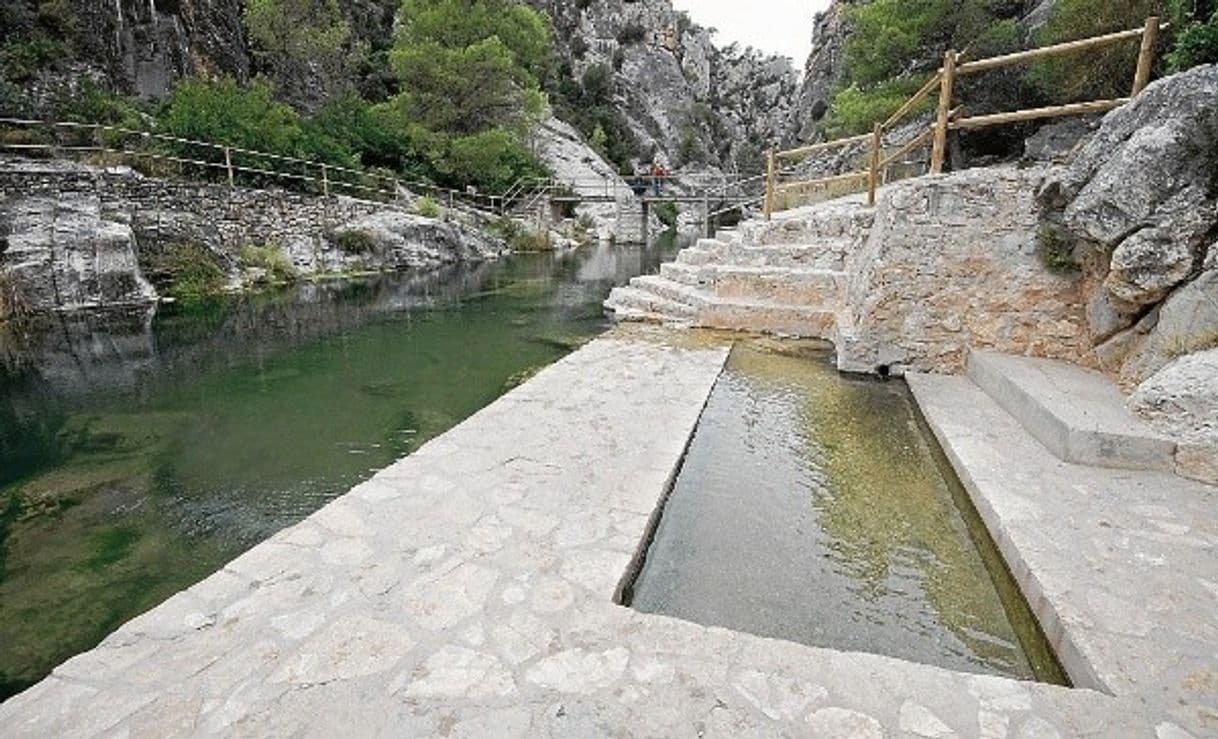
x: 811, y: 508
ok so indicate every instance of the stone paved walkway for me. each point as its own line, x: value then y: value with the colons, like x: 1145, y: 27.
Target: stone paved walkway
x: 469, y: 591
x: 1120, y: 567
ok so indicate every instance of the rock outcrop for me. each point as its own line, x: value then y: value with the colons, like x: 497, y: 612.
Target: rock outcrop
x: 65, y: 253
x: 688, y: 101
x: 73, y: 236
x: 825, y: 68
x: 1142, y: 198
x: 1182, y: 402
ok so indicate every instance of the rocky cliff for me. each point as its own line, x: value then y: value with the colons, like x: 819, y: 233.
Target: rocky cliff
x: 686, y: 100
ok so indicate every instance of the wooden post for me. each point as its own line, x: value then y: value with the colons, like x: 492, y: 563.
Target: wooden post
x: 228, y: 164
x: 325, y: 180
x: 1146, y: 57
x: 771, y: 173
x: 946, y: 87
x: 877, y: 151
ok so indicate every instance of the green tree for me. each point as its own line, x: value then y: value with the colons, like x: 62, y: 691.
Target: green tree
x: 457, y: 24
x: 224, y: 112
x: 469, y: 73
x: 306, y: 45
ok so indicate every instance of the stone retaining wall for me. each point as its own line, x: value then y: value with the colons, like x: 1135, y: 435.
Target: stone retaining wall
x: 951, y: 265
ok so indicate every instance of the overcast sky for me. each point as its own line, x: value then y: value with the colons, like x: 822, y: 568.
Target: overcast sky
x: 775, y: 26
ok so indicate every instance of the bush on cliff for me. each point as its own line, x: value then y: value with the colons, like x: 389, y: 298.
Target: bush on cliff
x: 897, y: 44
x: 1196, y: 44
x: 1108, y: 72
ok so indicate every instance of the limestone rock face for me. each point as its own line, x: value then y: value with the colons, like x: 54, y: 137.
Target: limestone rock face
x: 572, y: 160
x: 825, y: 68
x: 1182, y: 401
x: 695, y: 104
x: 397, y: 240
x: 73, y: 236
x: 1141, y: 193
x: 62, y: 253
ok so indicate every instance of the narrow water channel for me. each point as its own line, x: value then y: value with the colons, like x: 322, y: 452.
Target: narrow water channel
x: 139, y: 452
x: 811, y: 508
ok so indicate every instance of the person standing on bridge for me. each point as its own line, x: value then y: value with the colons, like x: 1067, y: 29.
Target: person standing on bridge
x: 658, y: 173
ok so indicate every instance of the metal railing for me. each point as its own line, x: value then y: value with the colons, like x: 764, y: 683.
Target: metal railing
x: 949, y: 117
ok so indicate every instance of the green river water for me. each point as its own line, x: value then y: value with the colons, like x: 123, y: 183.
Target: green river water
x: 139, y: 452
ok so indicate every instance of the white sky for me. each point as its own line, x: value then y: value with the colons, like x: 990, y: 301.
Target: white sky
x: 775, y: 26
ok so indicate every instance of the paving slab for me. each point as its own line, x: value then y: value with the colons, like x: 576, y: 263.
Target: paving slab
x: 469, y: 590
x: 1077, y: 413
x: 1120, y: 567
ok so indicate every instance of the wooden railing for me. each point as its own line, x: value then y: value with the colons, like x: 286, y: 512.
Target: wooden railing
x: 949, y: 117
x: 69, y: 138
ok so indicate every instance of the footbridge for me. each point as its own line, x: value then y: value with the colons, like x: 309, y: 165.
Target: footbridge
x: 714, y: 195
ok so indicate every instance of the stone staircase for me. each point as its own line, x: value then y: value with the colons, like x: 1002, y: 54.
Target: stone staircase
x: 785, y: 276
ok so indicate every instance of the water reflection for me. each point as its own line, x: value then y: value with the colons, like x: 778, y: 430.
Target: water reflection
x: 141, y: 450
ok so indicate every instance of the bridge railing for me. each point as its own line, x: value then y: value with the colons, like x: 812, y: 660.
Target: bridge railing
x: 948, y: 117
x: 107, y: 142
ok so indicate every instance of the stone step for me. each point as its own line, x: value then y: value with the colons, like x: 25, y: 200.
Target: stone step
x: 1078, y: 414
x: 670, y: 290
x: 851, y: 221
x: 810, y: 287
x: 633, y: 303
x: 663, y: 301
x: 768, y: 317
x: 826, y: 254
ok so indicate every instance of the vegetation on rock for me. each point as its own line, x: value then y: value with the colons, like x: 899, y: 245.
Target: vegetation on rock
x: 185, y: 271
x: 897, y: 44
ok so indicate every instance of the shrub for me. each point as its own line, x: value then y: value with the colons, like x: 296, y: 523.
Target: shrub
x: 491, y: 160
x: 355, y: 242
x: 668, y: 214
x: 187, y: 271
x: 427, y: 207
x: 21, y: 60
x: 1196, y: 44
x: 225, y: 112
x: 633, y: 32
x: 1099, y: 73
x: 1055, y: 247
x: 528, y: 240
x: 271, y: 258
x: 855, y: 110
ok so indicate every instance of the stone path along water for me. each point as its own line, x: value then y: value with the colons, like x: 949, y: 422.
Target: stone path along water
x: 468, y: 590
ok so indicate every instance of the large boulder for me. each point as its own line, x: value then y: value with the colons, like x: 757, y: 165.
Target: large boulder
x: 1157, y: 150
x: 1182, y: 402
x: 1142, y: 193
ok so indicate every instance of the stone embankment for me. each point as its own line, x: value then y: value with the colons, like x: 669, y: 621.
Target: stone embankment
x: 77, y: 236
